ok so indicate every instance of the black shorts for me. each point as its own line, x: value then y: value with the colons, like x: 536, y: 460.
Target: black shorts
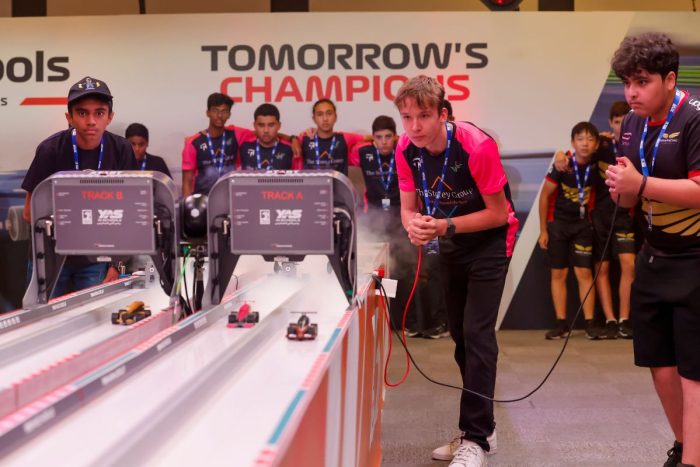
x: 666, y: 312
x: 570, y: 243
x: 622, y: 240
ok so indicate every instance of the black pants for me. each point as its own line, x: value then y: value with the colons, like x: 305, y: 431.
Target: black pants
x: 473, y: 283
x: 666, y: 311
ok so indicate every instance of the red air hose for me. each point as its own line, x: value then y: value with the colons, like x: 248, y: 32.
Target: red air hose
x: 403, y: 328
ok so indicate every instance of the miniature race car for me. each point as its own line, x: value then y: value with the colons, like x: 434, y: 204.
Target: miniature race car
x: 243, y: 318
x: 303, y: 329
x: 131, y: 314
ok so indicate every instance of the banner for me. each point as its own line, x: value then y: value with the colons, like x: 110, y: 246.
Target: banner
x: 524, y: 76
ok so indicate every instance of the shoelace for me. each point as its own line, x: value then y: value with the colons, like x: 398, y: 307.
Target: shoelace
x: 467, y: 452
x: 455, y: 443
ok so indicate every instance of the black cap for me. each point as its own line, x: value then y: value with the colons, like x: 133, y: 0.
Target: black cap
x: 86, y: 87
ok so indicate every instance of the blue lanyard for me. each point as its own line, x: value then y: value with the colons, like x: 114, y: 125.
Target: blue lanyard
x: 426, y: 200
x: 672, y: 110
x: 386, y: 182
x: 318, y: 152
x: 581, y: 187
x: 143, y: 162
x: 642, y: 159
x: 220, y: 165
x: 76, y: 158
x: 270, y: 160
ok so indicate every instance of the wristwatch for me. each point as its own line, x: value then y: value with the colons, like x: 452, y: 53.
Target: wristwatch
x: 449, y: 233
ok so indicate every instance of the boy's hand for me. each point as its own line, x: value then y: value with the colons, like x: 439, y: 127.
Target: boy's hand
x: 311, y: 131
x: 623, y: 178
x: 543, y: 241
x: 422, y: 229
x: 561, y: 162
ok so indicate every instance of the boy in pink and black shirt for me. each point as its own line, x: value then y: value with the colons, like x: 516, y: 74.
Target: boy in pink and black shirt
x: 212, y: 153
x: 474, y: 224
x: 328, y: 149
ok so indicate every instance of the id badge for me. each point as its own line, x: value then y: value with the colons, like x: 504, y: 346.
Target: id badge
x: 386, y: 204
x: 432, y: 247
x: 582, y: 212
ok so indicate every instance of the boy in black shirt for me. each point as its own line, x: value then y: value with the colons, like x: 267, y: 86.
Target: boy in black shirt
x: 85, y: 145
x: 137, y: 134
x: 622, y: 243
x: 566, y: 230
x: 659, y: 167
x: 266, y: 151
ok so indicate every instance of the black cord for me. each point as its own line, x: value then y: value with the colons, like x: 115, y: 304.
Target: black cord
x: 184, y: 284
x: 556, y: 361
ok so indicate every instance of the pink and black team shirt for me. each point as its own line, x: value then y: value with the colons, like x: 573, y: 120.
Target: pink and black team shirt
x: 278, y: 157
x: 338, y: 159
x: 196, y: 156
x: 474, y: 169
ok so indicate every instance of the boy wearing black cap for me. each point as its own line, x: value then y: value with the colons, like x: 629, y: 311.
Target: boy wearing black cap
x: 84, y: 145
x: 137, y: 134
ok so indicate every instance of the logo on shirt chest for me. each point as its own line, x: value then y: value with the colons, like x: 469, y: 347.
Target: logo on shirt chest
x: 369, y: 157
x: 626, y: 139
x: 670, y: 137
x: 251, y: 152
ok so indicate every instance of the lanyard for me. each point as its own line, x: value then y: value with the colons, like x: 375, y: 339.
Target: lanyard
x: 386, y: 181
x: 220, y: 165
x: 318, y: 153
x: 642, y: 159
x: 143, y: 162
x: 614, y: 143
x: 671, y: 111
x: 581, y: 187
x: 426, y: 200
x: 76, y: 158
x: 270, y: 160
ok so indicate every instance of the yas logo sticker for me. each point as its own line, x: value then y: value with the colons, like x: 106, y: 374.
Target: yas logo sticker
x: 288, y: 216
x: 110, y: 216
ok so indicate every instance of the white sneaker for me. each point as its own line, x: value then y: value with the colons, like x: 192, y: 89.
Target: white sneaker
x: 447, y: 452
x: 469, y: 454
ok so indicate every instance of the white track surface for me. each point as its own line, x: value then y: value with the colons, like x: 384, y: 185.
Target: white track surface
x: 95, y: 327
x: 159, y: 416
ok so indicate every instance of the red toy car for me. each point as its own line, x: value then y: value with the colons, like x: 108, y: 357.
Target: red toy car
x: 303, y: 329
x: 243, y: 318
